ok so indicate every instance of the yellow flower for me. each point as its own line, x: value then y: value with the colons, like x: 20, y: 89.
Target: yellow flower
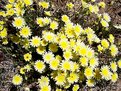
x: 4, y: 41
x: 10, y: 12
x: 88, y: 72
x: 69, y: 26
x: 101, y: 4
x: 90, y: 82
x: 28, y: 2
x: 59, y: 89
x: 48, y: 36
x: 89, y: 30
x: 46, y: 20
x: 113, y: 66
x: 40, y: 50
x: 54, y: 64
x: 18, y: 22
x: 77, y: 47
x: 39, y: 66
x: 60, y: 79
x: 78, y: 30
x: 75, y: 87
x: 62, y: 36
x: 90, y: 53
x: 44, y: 81
x: 48, y: 57
x: 104, y: 23
x: 22, y: 70
x: 70, y: 5
x: 35, y: 41
x: 119, y: 63
x: 2, y: 13
x: 96, y: 39
x: 1, y: 23
x: 66, y: 65
x: 93, y: 8
x: 84, y: 4
x: 45, y: 88
x: 39, y: 21
x: 54, y: 25
x: 93, y: 62
x: 114, y: 50
x: 1, y: 27
x: 44, y: 4
x: 83, y: 51
x: 27, y: 67
x: 75, y: 67
x: 105, y: 72
x: 67, y: 55
x: 47, y: 13
x: 25, y: 32
x: 93, y: 0
x: 105, y: 43
x: 84, y: 61
x: 111, y: 38
x: 3, y: 33
x: 19, y: 11
x: 44, y: 43
x: 114, y: 77
x: 72, y: 43
x: 8, y: 6
x: 64, y: 44
x: 106, y: 17
x: 58, y: 57
x: 27, y: 57
x: 17, y: 79
x: 91, y: 37
x: 100, y: 48
x: 11, y: 1
x: 69, y: 33
x: 73, y: 77
x: 65, y: 18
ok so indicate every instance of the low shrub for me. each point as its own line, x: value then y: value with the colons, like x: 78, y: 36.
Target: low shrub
x: 60, y: 50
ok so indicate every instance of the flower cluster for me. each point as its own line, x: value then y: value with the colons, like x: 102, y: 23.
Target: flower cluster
x: 55, y: 49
